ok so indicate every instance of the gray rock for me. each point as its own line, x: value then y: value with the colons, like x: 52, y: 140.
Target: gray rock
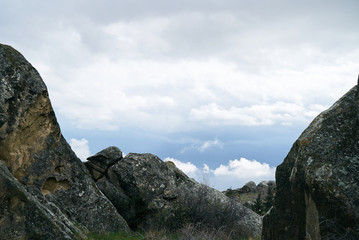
x: 38, y: 156
x: 156, y: 194
x: 99, y: 163
x: 248, y: 187
x: 106, y: 157
x: 318, y: 182
x: 118, y: 197
x: 263, y: 186
x: 22, y: 216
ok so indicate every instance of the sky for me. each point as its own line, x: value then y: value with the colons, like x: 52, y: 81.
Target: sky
x: 222, y: 88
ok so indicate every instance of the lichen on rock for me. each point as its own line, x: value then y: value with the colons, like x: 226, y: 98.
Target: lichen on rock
x: 39, y: 158
x: 318, y: 182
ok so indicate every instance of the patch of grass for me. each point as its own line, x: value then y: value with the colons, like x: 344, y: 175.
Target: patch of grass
x: 246, y: 197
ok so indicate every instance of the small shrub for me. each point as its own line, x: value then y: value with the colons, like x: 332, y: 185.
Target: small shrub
x: 268, y: 200
x: 257, y: 206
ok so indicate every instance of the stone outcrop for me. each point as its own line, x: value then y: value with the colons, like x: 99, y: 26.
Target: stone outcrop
x: 250, y: 191
x: 47, y: 177
x: 99, y: 163
x: 318, y: 182
x: 148, y: 192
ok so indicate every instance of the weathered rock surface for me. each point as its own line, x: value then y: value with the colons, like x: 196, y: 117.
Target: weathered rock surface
x: 148, y: 192
x: 22, y: 214
x: 318, y: 182
x: 39, y: 158
x: 99, y: 163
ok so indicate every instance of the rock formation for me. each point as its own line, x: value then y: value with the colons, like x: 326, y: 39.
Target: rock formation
x: 148, y: 192
x: 250, y: 191
x: 318, y: 182
x: 42, y: 182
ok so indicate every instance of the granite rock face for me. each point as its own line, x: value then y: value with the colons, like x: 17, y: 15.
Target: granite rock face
x: 318, y: 182
x: 39, y: 158
x: 148, y: 192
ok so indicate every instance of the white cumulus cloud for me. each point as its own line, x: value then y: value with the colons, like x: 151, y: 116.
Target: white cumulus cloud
x: 234, y: 174
x: 81, y: 148
x: 244, y: 169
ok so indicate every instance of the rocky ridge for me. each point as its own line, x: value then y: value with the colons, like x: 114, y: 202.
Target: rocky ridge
x: 318, y: 182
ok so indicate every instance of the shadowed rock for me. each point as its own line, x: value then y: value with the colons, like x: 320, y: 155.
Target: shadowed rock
x: 39, y: 158
x: 318, y: 182
x: 151, y: 193
x: 99, y: 163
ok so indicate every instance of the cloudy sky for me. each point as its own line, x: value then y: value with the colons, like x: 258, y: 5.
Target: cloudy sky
x: 220, y: 87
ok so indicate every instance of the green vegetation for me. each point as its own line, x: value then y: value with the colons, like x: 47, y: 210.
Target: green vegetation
x: 268, y: 200
x: 257, y: 206
x: 262, y: 206
x: 232, y: 193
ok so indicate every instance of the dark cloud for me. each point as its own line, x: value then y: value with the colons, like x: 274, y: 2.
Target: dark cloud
x: 194, y: 28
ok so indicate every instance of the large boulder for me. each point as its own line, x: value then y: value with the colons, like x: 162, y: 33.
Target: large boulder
x: 39, y: 158
x: 318, y: 182
x: 150, y: 193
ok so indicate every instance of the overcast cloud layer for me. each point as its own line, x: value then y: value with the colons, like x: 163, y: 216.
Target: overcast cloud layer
x: 175, y: 67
